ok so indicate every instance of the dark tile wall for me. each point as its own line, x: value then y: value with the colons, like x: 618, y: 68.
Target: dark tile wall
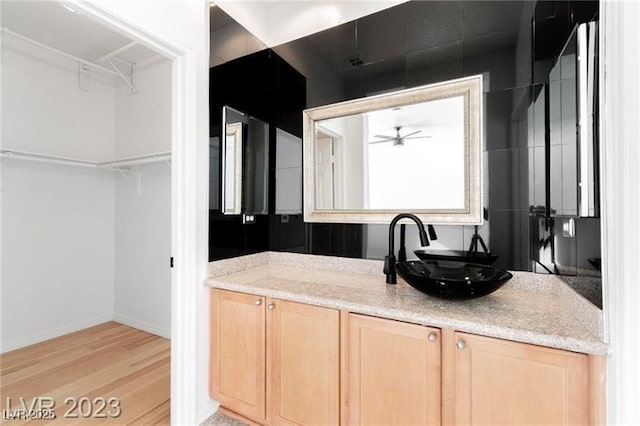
x: 266, y: 87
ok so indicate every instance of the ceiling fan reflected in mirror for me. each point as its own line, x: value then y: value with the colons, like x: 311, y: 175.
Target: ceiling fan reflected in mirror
x: 398, y: 139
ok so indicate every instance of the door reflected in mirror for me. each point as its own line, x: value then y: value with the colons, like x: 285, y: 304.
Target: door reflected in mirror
x: 416, y: 150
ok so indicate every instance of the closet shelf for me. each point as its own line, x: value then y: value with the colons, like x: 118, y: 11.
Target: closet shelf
x: 125, y: 167
x: 128, y: 79
x: 58, y: 51
x: 159, y: 157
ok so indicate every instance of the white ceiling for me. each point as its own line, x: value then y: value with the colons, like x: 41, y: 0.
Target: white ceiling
x: 447, y: 112
x: 277, y: 22
x: 54, y: 24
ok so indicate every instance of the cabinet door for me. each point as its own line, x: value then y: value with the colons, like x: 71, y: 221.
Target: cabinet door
x: 238, y: 346
x: 508, y: 383
x: 304, y: 355
x: 393, y: 373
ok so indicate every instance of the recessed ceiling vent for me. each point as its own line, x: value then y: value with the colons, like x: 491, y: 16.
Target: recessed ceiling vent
x: 355, y: 61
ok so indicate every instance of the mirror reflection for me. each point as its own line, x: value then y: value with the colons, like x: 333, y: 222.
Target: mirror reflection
x: 245, y: 164
x: 572, y: 100
x: 410, y: 151
x: 378, y: 157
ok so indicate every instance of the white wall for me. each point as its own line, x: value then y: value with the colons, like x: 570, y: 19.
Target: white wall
x: 57, y: 221
x: 44, y: 111
x: 142, y: 296
x: 143, y: 119
x: 57, y: 257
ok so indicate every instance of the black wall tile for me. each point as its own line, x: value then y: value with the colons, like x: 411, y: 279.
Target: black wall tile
x: 504, y: 179
x: 433, y: 23
x: 266, y: 87
x: 435, y: 64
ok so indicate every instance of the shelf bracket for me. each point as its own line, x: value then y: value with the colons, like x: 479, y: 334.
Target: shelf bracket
x: 126, y: 78
x: 131, y: 175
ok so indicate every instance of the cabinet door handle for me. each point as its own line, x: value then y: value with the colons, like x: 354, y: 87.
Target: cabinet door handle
x: 270, y: 306
x: 432, y: 337
x: 461, y: 344
x: 258, y: 302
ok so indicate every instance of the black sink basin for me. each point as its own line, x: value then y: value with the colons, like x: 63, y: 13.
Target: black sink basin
x: 457, y: 255
x: 452, y: 280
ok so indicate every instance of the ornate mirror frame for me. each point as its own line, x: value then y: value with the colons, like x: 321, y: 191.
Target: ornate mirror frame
x: 472, y: 213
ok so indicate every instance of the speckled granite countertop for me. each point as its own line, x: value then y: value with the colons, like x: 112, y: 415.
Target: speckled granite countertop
x: 530, y: 308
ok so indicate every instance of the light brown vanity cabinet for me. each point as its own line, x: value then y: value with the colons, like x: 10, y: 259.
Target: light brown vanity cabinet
x: 393, y: 373
x: 286, y: 363
x: 304, y: 351
x: 273, y: 361
x: 398, y: 373
x: 494, y: 381
x: 238, y: 353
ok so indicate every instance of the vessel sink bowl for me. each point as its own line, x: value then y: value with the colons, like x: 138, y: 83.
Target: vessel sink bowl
x: 452, y: 280
x: 456, y: 255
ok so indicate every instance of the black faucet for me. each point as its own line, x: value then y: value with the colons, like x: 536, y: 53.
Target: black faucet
x: 390, y: 259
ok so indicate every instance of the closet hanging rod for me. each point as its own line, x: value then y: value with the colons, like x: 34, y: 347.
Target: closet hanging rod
x: 114, y: 164
x: 142, y: 159
x: 60, y: 52
x: 45, y: 158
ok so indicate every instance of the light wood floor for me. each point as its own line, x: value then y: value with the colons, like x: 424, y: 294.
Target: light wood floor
x: 109, y: 360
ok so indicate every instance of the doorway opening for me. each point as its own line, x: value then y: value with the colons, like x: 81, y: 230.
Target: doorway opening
x: 88, y: 128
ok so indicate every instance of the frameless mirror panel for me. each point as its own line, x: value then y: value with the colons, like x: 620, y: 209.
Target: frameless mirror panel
x: 410, y: 151
x: 573, y: 140
x: 245, y: 164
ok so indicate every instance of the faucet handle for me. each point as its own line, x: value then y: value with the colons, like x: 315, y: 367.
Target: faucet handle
x: 432, y: 232
x: 424, y: 240
x: 390, y: 269
x: 389, y: 264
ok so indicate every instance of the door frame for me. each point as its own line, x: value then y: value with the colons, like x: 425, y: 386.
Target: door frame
x: 185, y: 196
x: 620, y: 200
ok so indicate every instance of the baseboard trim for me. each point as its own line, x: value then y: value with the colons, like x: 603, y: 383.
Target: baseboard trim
x: 209, y: 410
x: 142, y: 325
x: 42, y: 336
